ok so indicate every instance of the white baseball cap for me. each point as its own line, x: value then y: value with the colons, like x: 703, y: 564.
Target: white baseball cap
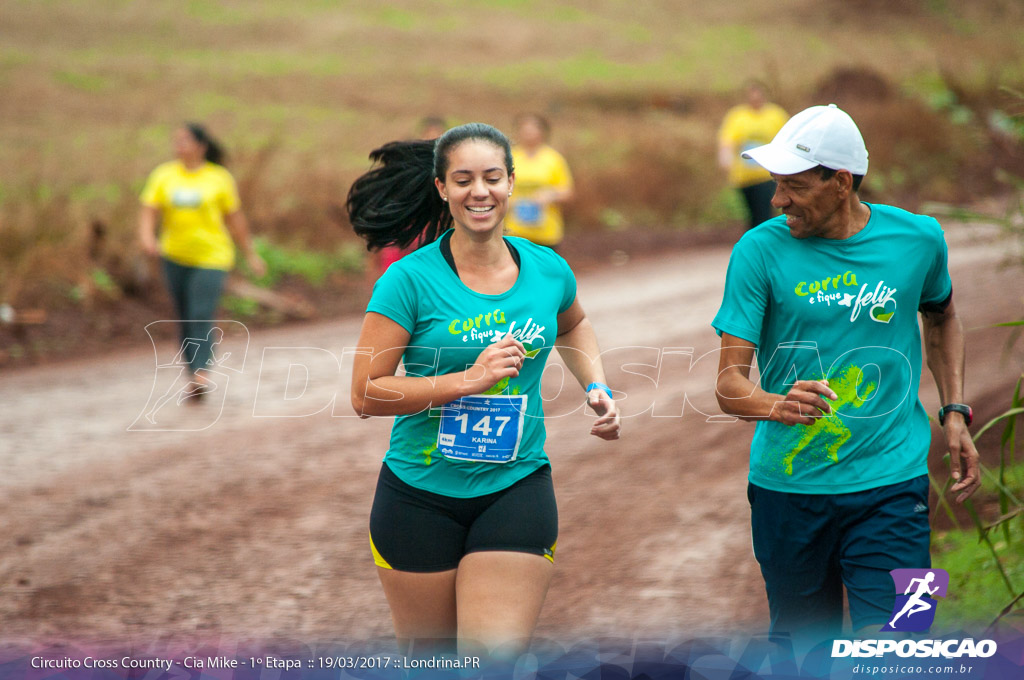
x: 820, y: 135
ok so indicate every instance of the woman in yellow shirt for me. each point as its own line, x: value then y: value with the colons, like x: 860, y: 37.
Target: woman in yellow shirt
x: 543, y: 183
x: 745, y: 127
x: 195, y: 202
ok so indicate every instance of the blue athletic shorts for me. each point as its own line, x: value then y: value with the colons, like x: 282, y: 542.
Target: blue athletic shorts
x: 811, y: 545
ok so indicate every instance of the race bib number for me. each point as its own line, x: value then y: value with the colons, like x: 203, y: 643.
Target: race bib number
x: 527, y: 213
x: 482, y: 428
x: 186, y: 197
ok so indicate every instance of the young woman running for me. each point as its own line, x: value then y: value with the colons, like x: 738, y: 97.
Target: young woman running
x: 464, y: 523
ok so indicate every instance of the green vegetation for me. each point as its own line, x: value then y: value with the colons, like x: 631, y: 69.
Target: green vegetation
x: 82, y: 81
x: 330, y: 81
x: 727, y: 207
x: 392, y: 17
x: 239, y: 307
x: 1012, y: 477
x: 312, y: 267
x: 985, y: 565
x: 977, y: 591
x: 990, y: 554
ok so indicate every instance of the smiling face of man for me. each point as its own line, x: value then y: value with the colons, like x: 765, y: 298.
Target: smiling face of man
x: 812, y: 205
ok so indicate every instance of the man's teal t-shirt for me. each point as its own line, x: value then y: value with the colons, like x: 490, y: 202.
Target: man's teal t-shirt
x: 843, y: 310
x: 450, y: 325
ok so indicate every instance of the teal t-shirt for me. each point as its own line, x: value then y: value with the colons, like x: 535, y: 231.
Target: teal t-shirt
x: 450, y: 325
x: 844, y: 310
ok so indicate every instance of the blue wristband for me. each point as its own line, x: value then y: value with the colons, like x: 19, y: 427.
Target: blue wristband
x: 600, y: 386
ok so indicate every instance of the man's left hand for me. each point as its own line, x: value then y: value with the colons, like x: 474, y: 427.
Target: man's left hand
x: 963, y: 458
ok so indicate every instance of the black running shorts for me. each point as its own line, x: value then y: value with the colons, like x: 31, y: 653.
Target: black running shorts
x: 416, y: 530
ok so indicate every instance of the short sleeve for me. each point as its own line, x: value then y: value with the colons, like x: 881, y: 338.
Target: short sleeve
x: 728, y: 133
x: 746, y: 297
x: 227, y: 198
x: 937, y: 284
x: 394, y: 296
x: 569, y: 294
x: 561, y: 178
x: 154, y: 193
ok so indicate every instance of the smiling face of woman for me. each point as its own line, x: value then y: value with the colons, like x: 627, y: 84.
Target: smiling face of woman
x: 477, y: 185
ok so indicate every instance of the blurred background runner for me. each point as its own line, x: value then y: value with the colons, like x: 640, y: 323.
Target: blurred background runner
x: 745, y: 127
x: 194, y: 202
x: 543, y: 184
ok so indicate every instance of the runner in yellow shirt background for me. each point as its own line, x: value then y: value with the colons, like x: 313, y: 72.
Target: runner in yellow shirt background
x: 745, y: 127
x: 194, y: 202
x: 543, y: 184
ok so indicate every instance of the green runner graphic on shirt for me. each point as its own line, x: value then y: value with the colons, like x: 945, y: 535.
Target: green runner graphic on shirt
x: 827, y: 434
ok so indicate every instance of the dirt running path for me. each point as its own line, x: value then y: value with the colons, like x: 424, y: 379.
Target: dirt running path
x: 248, y: 517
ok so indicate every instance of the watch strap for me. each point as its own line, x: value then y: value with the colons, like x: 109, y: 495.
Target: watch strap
x: 966, y: 410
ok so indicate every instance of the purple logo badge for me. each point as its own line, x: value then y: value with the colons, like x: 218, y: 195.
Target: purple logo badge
x: 916, y: 590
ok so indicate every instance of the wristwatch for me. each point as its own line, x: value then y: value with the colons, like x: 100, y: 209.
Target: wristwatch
x: 959, y: 408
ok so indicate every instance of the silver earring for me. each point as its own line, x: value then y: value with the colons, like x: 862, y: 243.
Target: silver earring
x: 444, y: 198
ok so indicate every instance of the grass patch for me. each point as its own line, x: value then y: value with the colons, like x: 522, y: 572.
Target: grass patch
x: 1013, y: 478
x: 231, y: 64
x: 727, y: 207
x: 239, y: 307
x: 567, y: 14
x: 524, y: 6
x: 83, y: 82
x: 394, y: 18
x: 639, y: 34
x: 977, y: 592
x: 312, y: 267
x: 727, y: 39
x: 108, y: 193
x: 11, y: 57
x: 210, y: 103
x: 216, y: 13
x: 589, y: 67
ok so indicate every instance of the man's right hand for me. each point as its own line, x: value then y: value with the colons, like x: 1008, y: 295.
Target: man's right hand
x: 804, y: 403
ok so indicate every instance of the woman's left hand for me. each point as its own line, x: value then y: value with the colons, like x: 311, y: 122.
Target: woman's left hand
x: 256, y: 264
x: 607, y: 425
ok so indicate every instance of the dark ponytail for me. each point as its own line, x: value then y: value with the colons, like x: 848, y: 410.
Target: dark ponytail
x: 396, y: 202
x: 214, y: 151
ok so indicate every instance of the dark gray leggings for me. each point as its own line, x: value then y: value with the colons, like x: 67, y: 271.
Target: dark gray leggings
x: 195, y: 292
x: 759, y: 202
